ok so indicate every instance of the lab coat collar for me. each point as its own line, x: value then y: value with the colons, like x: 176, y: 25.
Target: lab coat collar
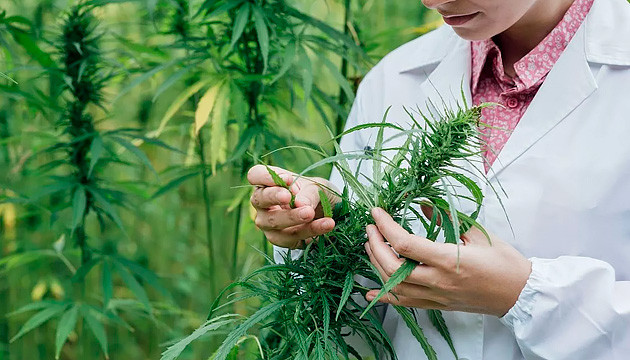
x: 607, y: 34
x: 602, y: 39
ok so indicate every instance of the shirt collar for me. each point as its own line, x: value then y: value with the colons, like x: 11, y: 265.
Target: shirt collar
x: 532, y: 69
x: 607, y: 34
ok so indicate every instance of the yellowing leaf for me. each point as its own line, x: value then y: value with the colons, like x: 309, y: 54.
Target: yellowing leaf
x: 218, y: 132
x: 177, y: 103
x: 205, y: 106
x: 39, y: 290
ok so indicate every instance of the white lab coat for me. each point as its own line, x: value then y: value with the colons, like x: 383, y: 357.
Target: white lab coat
x: 566, y: 172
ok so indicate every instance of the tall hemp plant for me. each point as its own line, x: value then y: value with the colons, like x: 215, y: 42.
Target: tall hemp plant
x: 83, y: 198
x: 308, y: 308
x: 240, y: 61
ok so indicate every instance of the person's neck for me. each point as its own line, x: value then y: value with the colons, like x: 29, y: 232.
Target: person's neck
x: 529, y: 31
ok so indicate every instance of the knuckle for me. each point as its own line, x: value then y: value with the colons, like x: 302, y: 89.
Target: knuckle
x: 254, y: 200
x: 258, y: 221
x: 403, y: 246
x: 293, y: 231
x: 272, y: 221
x: 390, y: 269
x: 399, y: 290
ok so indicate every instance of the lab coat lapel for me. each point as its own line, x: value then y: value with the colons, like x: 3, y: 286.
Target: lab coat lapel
x: 444, y: 85
x: 567, y: 85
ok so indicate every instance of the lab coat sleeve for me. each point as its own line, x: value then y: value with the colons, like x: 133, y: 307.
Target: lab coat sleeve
x: 572, y: 308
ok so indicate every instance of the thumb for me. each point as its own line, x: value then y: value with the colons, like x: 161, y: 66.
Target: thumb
x: 474, y: 235
x: 306, y: 194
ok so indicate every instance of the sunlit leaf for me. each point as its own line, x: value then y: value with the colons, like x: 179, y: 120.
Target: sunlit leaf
x: 66, y: 324
x: 97, y: 328
x: 50, y: 311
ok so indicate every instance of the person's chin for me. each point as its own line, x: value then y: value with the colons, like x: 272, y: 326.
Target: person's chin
x: 472, y: 33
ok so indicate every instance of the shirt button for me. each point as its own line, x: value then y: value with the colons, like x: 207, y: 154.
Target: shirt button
x: 512, y: 103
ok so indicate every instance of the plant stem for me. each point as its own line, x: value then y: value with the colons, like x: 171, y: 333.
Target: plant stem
x: 206, y: 203
x: 237, y: 234
x: 340, y: 123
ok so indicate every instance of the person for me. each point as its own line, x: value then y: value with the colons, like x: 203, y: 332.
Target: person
x: 555, y: 283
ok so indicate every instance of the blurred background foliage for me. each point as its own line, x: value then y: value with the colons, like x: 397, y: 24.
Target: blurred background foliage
x: 126, y: 131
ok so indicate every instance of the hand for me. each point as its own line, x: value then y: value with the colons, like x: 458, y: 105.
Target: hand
x: 487, y: 280
x: 282, y: 225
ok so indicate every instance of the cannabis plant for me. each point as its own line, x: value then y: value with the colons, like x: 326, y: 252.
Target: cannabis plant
x: 238, y: 62
x: 76, y: 181
x: 308, y: 303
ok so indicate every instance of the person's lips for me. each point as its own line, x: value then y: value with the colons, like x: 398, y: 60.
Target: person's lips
x: 458, y: 20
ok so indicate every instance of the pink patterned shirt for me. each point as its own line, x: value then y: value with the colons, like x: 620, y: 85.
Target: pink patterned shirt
x: 489, y: 83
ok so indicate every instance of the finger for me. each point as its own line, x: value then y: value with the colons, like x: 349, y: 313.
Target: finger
x: 300, y: 232
x: 405, y: 301
x: 259, y: 175
x: 374, y: 262
x: 307, y: 194
x: 279, y: 219
x: 266, y: 197
x: 475, y: 236
x: 427, y: 209
x: 382, y: 254
x: 387, y: 260
x: 406, y: 244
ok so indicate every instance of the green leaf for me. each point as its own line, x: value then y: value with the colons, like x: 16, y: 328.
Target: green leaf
x: 173, y: 351
x: 239, y: 24
x: 276, y: 178
x: 326, y: 206
x: 79, y: 201
x: 85, y: 269
x: 263, y: 35
x: 29, y: 44
x: 66, y: 324
x: 107, y: 283
x: 97, y: 328
x: 397, y: 277
x: 133, y: 285
x: 290, y: 50
x: 377, y: 170
x: 145, y: 274
x: 416, y: 331
x: 338, y: 76
x: 279, y: 182
x: 39, y: 318
x: 142, y: 78
x: 96, y: 151
x: 242, y: 329
x: 173, y: 184
x: 135, y: 151
x: 107, y: 207
x: 172, y: 79
x: 345, y: 294
x: 440, y: 324
x: 3, y: 75
x: 307, y: 73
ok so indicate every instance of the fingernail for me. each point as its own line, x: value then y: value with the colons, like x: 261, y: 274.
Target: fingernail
x: 377, y: 212
x: 369, y: 297
x: 369, y: 230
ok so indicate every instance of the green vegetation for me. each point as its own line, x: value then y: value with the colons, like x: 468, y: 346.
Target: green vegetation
x: 308, y: 308
x: 126, y: 128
